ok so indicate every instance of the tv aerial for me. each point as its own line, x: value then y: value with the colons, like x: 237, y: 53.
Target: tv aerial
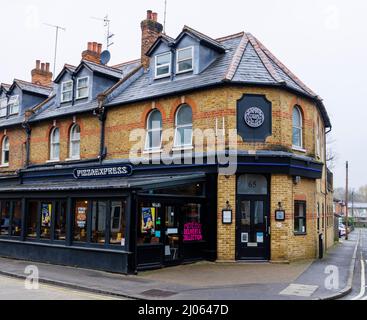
x: 106, y: 55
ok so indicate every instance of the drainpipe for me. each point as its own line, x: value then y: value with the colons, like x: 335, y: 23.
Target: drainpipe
x: 326, y: 189
x: 101, y: 113
x: 28, y: 131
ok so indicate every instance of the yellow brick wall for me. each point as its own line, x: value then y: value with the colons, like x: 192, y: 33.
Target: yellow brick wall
x: 89, y: 132
x: 226, y: 233
x: 17, y: 152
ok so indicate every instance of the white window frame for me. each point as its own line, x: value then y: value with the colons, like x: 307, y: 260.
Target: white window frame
x: 147, y: 140
x: 177, y: 127
x: 3, y: 106
x: 63, y: 84
x: 295, y: 147
x: 318, y: 138
x: 53, y: 144
x: 178, y: 60
x: 79, y: 88
x: 72, y: 141
x: 156, y: 76
x: 11, y: 104
x: 4, y: 150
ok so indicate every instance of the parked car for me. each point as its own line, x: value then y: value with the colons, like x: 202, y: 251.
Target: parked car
x: 342, y: 230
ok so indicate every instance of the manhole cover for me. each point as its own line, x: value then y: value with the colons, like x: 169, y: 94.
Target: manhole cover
x: 158, y: 293
x: 299, y: 290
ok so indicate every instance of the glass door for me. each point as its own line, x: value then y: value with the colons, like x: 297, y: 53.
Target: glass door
x: 172, y: 252
x: 253, y: 229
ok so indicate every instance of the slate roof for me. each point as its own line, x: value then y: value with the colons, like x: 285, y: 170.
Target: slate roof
x: 245, y: 61
x: 109, y: 71
x: 5, y: 86
x: 49, y: 109
x: 31, y: 87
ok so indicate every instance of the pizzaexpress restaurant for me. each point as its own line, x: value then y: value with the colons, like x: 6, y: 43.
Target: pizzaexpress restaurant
x: 123, y: 218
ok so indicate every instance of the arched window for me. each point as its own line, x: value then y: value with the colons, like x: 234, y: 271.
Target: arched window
x: 55, y: 144
x: 74, y: 148
x: 5, y: 151
x: 183, y: 132
x: 154, y: 131
x: 297, y: 128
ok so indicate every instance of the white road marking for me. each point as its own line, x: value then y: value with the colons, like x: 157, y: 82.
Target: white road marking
x: 299, y: 290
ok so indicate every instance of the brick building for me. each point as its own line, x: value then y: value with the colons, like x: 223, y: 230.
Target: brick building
x: 200, y: 149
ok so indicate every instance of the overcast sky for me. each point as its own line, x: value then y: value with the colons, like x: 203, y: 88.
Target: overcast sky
x: 323, y: 42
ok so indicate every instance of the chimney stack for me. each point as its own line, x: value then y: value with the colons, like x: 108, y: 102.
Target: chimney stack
x: 93, y: 52
x: 41, y: 75
x: 151, y: 30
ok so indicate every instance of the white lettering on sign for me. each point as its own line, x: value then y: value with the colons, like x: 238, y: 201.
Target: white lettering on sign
x: 103, y: 172
x: 254, y: 117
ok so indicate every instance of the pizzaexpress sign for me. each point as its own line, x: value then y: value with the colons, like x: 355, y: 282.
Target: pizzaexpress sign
x: 103, y: 172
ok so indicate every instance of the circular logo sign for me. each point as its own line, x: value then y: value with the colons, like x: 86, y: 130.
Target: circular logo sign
x: 254, y: 117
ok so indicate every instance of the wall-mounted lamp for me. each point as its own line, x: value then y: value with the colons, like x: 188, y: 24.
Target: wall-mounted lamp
x: 297, y: 180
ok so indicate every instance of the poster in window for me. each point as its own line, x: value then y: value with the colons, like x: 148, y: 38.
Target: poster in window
x: 81, y: 219
x: 46, y: 214
x: 148, y: 220
x: 193, y: 231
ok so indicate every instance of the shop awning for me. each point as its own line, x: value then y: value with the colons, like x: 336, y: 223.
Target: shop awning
x: 139, y: 183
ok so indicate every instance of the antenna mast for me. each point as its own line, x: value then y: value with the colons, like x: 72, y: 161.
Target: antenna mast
x: 165, y: 16
x: 107, y: 25
x: 58, y: 28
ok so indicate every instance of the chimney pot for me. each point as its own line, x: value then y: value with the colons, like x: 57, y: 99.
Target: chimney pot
x: 99, y: 50
x: 94, y: 49
x: 151, y: 30
x: 41, y: 75
x: 90, y: 46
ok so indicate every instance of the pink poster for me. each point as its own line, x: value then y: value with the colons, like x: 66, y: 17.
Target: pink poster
x: 193, y: 232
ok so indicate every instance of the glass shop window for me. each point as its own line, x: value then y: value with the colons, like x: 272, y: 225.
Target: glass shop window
x: 46, y: 219
x: 16, y: 222
x: 60, y: 220
x: 149, y: 223
x: 250, y: 184
x: 81, y: 220
x: 5, y: 218
x: 193, y: 228
x: 118, y: 223
x: 300, y: 217
x: 99, y: 217
x: 32, y: 217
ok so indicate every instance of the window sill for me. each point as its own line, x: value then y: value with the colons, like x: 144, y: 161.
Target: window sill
x: 153, y: 151
x: 299, y: 149
x: 53, y: 161
x: 72, y: 159
x: 187, y: 148
x: 300, y: 234
x: 185, y: 71
x: 4, y: 166
x: 162, y: 77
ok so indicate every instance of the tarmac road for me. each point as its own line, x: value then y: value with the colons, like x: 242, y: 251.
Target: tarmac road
x: 15, y: 289
x: 360, y: 276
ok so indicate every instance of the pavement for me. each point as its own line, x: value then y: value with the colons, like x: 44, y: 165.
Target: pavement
x: 305, y: 280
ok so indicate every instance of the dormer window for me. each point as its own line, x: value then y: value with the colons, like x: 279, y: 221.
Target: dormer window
x: 66, y: 91
x: 82, y: 88
x: 3, y: 107
x: 185, y: 60
x: 163, y: 65
x: 13, y: 105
